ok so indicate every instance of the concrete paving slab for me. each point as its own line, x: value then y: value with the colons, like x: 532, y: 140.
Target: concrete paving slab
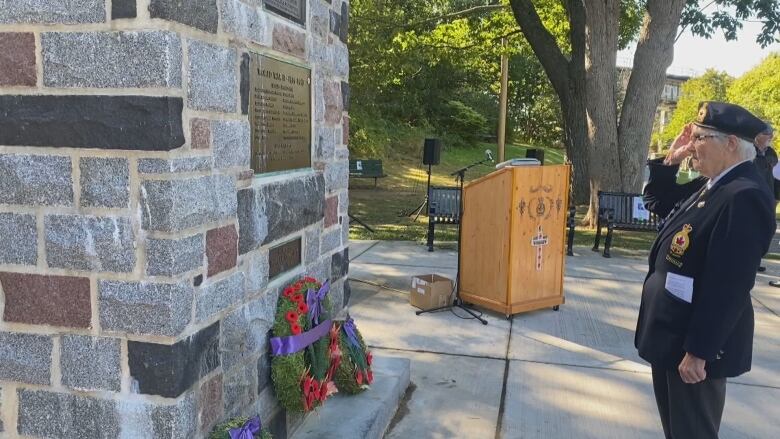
x: 554, y: 401
x: 766, y: 350
x: 394, y: 276
x: 369, y: 412
x: 751, y: 412
x: 409, y: 254
x: 589, y: 264
x: 767, y: 296
x: 453, y: 397
x: 595, y: 327
x: 387, y: 320
x: 357, y: 248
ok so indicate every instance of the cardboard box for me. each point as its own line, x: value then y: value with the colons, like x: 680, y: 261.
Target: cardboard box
x: 430, y: 291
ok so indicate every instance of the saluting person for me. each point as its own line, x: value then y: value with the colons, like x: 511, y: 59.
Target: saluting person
x: 695, y: 324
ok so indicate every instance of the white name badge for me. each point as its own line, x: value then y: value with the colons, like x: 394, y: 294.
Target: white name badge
x: 680, y: 286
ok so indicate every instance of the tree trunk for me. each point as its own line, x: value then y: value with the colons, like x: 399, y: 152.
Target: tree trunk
x: 601, y: 42
x: 577, y: 145
x: 654, y: 54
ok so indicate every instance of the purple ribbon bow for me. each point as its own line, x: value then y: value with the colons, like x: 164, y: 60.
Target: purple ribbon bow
x: 314, y: 302
x: 294, y: 343
x: 248, y: 430
x: 349, y: 329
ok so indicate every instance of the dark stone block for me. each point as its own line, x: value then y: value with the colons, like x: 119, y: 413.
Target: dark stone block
x: 335, y: 22
x: 284, y: 258
x: 221, y: 249
x: 123, y: 9
x: 294, y: 10
x: 252, y: 221
x: 17, y: 59
x: 197, y: 280
x: 344, y: 22
x: 210, y: 402
x: 170, y: 370
x: 277, y: 425
x: 46, y: 300
x: 263, y: 373
x: 345, y: 96
x: 244, y: 86
x: 339, y: 265
x: 200, y: 14
x: 293, y: 205
x: 347, y: 292
x: 144, y: 123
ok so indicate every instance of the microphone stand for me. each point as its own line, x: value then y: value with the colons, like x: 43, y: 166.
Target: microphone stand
x: 457, y: 301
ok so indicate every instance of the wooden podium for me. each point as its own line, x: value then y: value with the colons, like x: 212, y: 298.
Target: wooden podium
x: 513, y: 241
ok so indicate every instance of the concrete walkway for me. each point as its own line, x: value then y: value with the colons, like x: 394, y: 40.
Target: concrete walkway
x: 544, y: 374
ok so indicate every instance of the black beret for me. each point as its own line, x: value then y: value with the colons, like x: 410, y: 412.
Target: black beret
x: 729, y: 119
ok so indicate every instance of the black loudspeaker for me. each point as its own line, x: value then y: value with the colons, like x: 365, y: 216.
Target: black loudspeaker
x: 533, y: 153
x: 432, y: 152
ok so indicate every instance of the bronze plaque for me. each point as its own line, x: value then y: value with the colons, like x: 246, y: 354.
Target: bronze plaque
x: 295, y: 10
x: 284, y: 257
x: 279, y: 114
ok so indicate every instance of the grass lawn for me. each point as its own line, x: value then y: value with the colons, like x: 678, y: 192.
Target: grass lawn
x: 383, y: 207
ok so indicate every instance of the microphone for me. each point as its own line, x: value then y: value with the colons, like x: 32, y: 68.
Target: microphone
x: 489, y: 155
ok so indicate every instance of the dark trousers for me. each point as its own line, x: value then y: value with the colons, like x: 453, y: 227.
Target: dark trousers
x: 689, y: 410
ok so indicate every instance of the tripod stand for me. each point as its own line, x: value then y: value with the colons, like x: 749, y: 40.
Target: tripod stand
x: 424, y: 205
x: 457, y: 301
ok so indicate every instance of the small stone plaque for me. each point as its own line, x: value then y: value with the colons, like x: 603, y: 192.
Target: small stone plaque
x: 279, y: 115
x: 294, y: 10
x: 284, y: 257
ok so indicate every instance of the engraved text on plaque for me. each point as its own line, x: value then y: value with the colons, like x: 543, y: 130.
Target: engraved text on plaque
x: 279, y: 114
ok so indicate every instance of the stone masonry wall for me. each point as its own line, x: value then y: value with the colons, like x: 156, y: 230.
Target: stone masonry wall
x: 135, y: 241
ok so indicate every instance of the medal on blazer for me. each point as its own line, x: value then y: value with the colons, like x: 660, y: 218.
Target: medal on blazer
x: 681, y: 241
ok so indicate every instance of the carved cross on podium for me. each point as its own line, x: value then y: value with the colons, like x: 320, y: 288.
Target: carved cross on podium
x: 538, y: 241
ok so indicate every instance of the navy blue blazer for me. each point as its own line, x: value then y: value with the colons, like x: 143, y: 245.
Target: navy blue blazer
x: 662, y: 192
x: 717, y: 238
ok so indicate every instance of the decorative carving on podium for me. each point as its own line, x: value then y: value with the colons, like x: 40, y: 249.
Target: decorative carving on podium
x: 546, y: 188
x: 539, y: 241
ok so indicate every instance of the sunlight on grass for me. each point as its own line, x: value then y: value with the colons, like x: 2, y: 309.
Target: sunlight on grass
x: 384, y: 207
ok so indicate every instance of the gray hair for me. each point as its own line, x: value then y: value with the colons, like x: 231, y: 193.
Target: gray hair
x: 769, y: 130
x: 745, y: 149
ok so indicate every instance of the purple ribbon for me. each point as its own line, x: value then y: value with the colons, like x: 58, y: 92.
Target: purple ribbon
x: 349, y: 329
x: 314, y: 302
x: 294, y: 343
x: 247, y: 431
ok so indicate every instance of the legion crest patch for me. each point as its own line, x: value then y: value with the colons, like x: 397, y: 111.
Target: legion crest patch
x: 681, y: 241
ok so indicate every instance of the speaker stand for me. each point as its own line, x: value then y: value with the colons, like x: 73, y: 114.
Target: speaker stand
x: 424, y: 205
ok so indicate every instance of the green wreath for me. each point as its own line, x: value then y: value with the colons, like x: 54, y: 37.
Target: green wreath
x: 354, y: 373
x: 303, y: 380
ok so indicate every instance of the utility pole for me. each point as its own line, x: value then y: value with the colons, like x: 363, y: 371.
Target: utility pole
x: 502, y: 103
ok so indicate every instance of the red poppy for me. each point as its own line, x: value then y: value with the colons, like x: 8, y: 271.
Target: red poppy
x: 323, y: 392
x: 369, y: 358
x: 370, y: 376
x: 359, y: 377
x: 291, y: 316
x: 295, y: 329
x: 310, y: 279
x: 303, y: 308
x: 288, y: 292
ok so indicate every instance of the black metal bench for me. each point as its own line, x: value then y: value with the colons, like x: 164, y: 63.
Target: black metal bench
x: 443, y: 208
x: 366, y: 169
x: 616, y: 212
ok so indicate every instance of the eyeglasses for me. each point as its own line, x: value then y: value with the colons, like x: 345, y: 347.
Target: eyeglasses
x: 699, y: 138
